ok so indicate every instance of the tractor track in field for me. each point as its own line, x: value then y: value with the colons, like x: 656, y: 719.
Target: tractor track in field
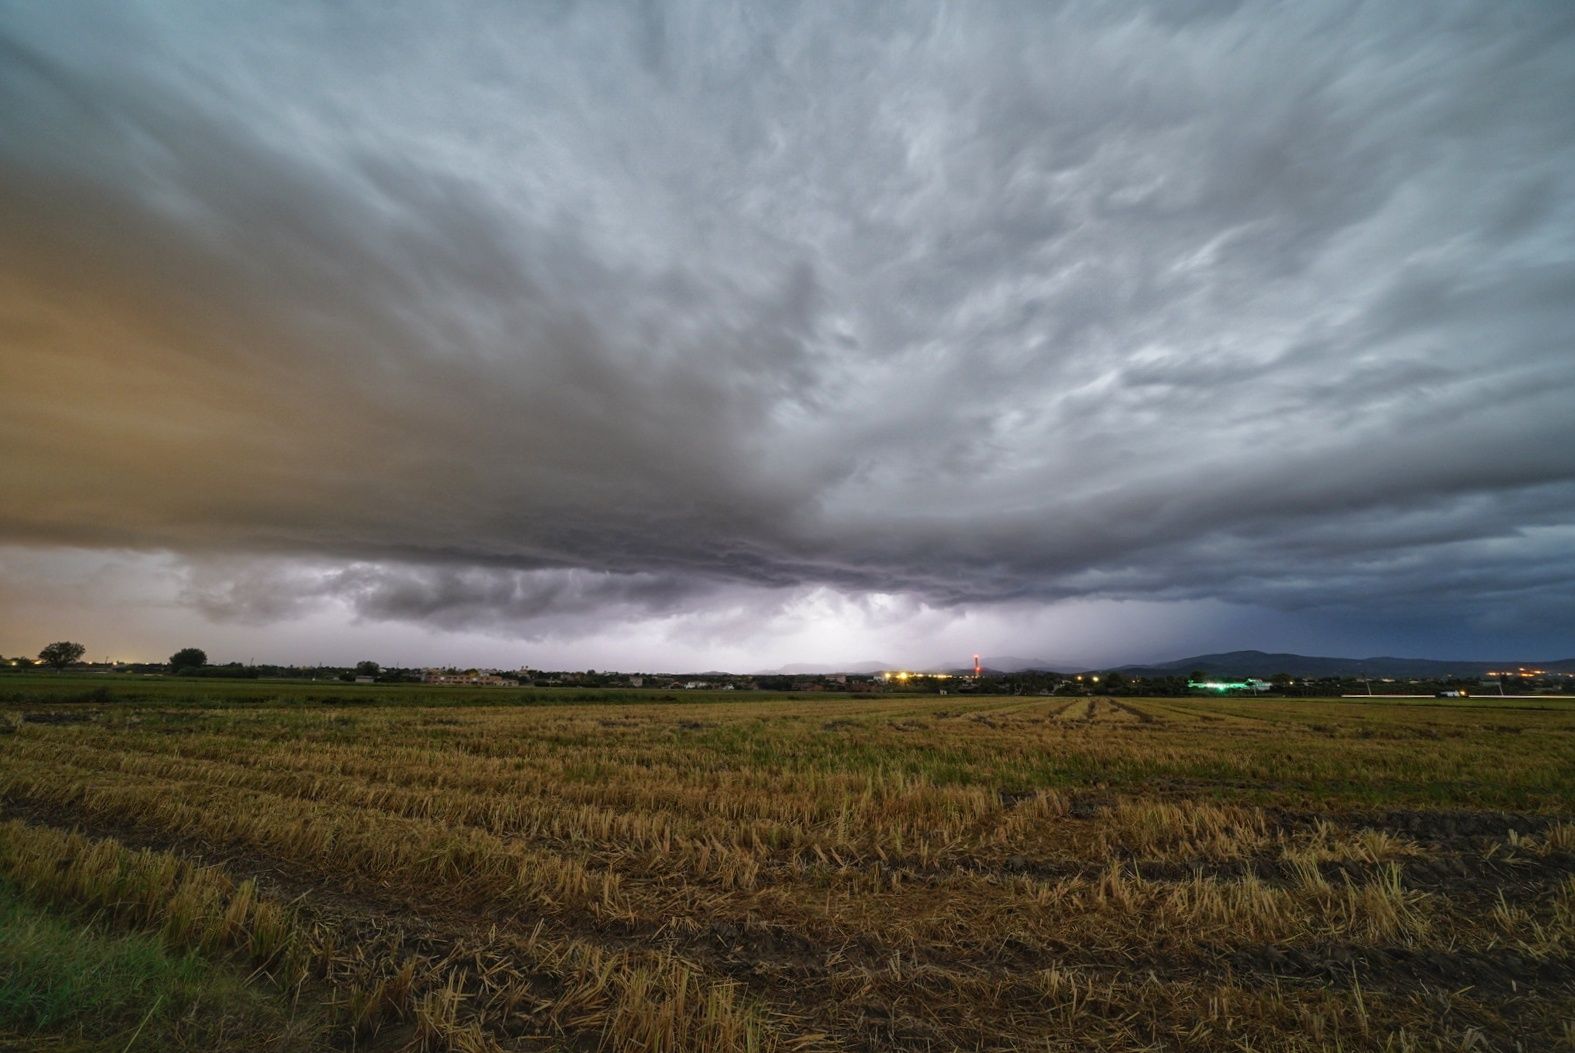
x: 1141, y: 715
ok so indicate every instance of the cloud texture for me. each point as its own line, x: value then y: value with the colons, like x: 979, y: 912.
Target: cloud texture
x: 515, y: 316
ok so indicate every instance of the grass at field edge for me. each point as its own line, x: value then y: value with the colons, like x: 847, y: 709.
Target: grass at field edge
x: 70, y: 985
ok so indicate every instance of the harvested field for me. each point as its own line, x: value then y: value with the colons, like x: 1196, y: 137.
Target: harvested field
x: 831, y: 873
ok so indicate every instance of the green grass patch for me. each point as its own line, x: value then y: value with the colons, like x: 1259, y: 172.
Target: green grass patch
x: 73, y: 985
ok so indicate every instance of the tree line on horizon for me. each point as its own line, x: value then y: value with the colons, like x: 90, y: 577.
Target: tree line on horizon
x: 188, y: 661
x: 62, y: 654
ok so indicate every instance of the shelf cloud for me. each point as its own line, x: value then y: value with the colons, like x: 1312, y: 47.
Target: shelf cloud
x: 539, y: 320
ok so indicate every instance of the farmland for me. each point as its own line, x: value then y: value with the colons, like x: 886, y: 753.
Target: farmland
x: 544, y: 871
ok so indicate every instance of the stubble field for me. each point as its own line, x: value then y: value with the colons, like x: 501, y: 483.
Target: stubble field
x: 449, y: 871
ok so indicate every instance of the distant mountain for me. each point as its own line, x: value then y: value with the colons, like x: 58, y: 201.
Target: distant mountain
x: 993, y: 664
x: 813, y: 669
x: 1264, y: 664
x: 1008, y: 663
x: 1012, y: 664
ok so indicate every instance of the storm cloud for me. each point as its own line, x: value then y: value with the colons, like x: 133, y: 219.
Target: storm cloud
x: 537, y: 318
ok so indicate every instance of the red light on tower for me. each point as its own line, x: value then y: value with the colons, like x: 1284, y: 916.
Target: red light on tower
x: 978, y: 670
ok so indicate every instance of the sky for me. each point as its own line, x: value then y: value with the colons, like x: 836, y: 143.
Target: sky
x: 695, y: 335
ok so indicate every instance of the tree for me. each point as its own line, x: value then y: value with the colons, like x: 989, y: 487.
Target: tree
x: 61, y: 654
x: 367, y: 668
x: 188, y: 658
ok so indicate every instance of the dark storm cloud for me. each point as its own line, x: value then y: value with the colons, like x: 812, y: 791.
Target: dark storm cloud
x: 522, y: 314
x: 521, y: 602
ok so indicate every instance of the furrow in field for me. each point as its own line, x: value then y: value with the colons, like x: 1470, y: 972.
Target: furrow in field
x: 869, y: 1002
x: 888, y: 875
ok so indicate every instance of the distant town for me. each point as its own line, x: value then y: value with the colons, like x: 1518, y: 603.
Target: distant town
x: 1238, y: 673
